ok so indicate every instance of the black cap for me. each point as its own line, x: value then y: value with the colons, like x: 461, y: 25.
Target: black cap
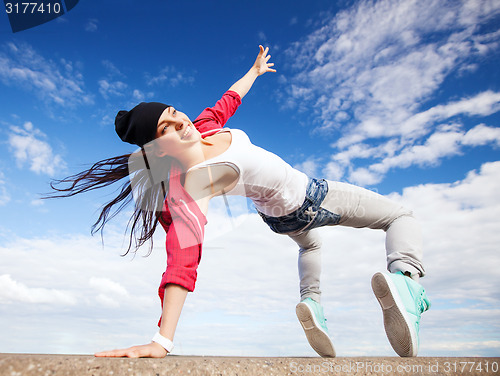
x: 138, y: 126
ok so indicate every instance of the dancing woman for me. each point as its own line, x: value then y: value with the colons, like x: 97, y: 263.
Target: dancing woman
x: 181, y: 165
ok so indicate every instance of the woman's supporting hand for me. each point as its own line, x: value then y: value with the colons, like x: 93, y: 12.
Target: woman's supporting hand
x: 151, y: 350
x: 262, y: 64
x: 173, y: 302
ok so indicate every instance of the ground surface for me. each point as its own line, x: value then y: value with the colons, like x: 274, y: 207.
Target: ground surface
x: 41, y: 365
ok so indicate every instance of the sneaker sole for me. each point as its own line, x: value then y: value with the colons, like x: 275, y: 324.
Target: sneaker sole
x: 316, y: 336
x: 398, y: 327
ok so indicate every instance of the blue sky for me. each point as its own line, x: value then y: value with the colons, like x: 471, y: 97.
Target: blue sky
x: 402, y: 97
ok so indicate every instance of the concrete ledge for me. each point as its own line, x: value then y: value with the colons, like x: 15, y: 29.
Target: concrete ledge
x: 41, y: 365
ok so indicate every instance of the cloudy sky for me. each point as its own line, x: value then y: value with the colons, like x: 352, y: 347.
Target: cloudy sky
x: 401, y: 97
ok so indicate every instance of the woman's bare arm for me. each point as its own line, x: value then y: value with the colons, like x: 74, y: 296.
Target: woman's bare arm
x: 173, y: 302
x: 261, y: 66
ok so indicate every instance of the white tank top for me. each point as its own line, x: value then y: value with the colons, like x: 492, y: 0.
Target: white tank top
x: 275, y: 187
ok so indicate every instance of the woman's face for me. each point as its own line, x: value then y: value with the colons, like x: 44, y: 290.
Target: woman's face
x: 175, y: 132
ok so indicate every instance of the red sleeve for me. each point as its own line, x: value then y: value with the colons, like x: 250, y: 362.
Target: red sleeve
x: 213, y: 118
x: 184, y: 223
x: 184, y: 242
x: 182, y: 262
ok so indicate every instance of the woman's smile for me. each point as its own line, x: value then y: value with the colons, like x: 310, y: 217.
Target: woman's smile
x: 187, y: 132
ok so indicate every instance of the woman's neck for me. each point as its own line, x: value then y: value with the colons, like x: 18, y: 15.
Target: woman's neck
x: 207, y: 148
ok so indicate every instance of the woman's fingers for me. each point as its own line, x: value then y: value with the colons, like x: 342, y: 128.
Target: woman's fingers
x: 131, y: 352
x: 112, y: 353
x: 263, y: 51
x: 150, y: 350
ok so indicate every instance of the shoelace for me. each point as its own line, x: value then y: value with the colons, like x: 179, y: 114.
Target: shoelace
x: 422, y: 305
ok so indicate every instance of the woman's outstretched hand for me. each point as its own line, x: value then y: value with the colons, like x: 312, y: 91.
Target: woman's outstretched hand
x: 262, y: 64
x: 151, y: 350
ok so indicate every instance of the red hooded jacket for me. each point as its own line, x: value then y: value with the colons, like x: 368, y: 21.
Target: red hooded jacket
x: 181, y: 218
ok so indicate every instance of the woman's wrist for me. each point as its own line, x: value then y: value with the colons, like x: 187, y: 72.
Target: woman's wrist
x: 254, y: 72
x: 164, y: 342
x: 159, y: 351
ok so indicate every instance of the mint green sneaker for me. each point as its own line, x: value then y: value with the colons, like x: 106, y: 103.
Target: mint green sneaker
x: 310, y: 315
x: 403, y: 301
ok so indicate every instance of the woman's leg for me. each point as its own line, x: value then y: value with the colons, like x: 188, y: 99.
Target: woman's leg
x: 359, y: 207
x: 309, y: 312
x: 309, y: 244
x: 398, y: 295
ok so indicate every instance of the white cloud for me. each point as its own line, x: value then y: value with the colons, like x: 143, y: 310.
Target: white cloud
x: 109, y: 292
x: 108, y: 88
x: 482, y: 104
x: 309, y: 166
x: 438, y: 145
x: 4, y: 195
x: 12, y: 291
x: 262, y: 37
x: 112, y: 69
x: 171, y: 76
x: 333, y: 171
x: 29, y: 146
x: 248, y: 285
x: 368, y: 70
x: 54, y: 82
x: 364, y: 177
x: 91, y: 25
x: 138, y: 95
x: 37, y: 202
x: 482, y: 135
x: 446, y: 141
x: 108, y: 286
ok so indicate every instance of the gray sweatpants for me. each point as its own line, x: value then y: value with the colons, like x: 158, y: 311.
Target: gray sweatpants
x: 360, y: 208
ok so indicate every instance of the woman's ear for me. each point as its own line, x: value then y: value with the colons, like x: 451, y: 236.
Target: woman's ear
x: 152, y: 148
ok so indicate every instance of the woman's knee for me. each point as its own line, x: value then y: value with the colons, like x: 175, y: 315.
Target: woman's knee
x: 312, y: 246
x: 308, y: 241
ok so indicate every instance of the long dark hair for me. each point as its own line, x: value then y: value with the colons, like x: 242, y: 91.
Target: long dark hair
x: 147, y: 192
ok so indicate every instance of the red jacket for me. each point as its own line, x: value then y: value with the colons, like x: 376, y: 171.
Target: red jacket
x: 181, y: 217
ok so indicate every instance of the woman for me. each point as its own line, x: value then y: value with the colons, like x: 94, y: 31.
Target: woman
x: 182, y: 165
